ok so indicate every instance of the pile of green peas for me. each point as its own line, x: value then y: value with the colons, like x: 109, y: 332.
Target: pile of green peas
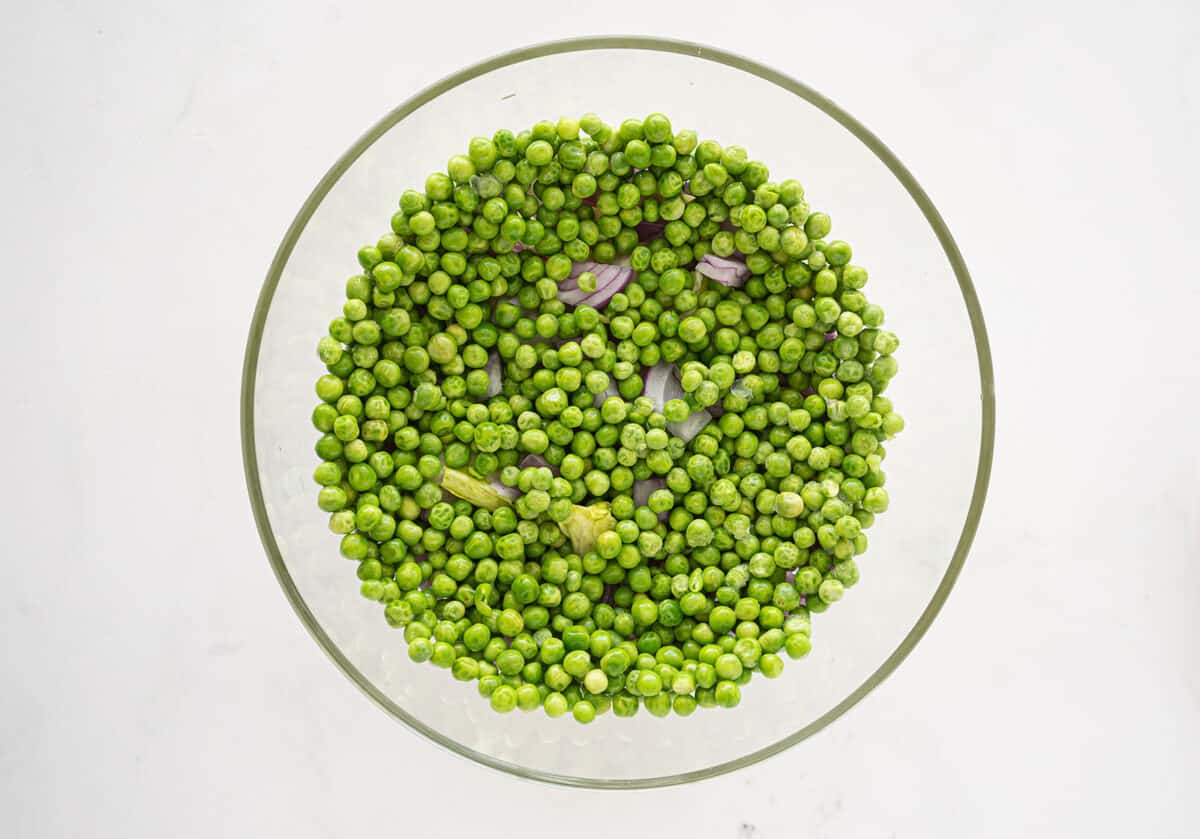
x: 751, y: 526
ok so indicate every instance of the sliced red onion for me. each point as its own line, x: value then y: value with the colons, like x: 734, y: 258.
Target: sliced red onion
x: 696, y: 422
x: 533, y: 460
x: 605, y: 274
x: 661, y: 387
x: 648, y: 230
x: 511, y: 493
x: 610, y: 279
x: 661, y: 384
x: 600, y: 269
x: 495, y: 371
x: 728, y: 272
x: 581, y: 267
x: 611, y: 390
x: 572, y: 296
x: 642, y: 489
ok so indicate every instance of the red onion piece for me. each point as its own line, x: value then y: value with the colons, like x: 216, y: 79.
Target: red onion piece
x: 580, y: 267
x: 642, y: 489
x: 605, y: 274
x: 533, y: 460
x: 661, y: 387
x: 648, y: 230
x: 696, y: 422
x: 511, y: 493
x: 602, y: 271
x: 495, y: 371
x: 611, y: 390
x: 610, y: 279
x: 737, y: 261
x: 573, y: 296
x: 596, y: 267
x: 728, y: 272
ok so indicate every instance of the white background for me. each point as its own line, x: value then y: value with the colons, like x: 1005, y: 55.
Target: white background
x: 155, y: 681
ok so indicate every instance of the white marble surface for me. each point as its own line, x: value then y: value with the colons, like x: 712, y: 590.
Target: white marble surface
x: 156, y: 682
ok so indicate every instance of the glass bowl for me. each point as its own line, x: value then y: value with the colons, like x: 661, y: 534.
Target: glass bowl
x: 938, y: 468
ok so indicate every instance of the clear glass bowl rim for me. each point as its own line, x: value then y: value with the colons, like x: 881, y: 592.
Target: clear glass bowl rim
x: 626, y: 42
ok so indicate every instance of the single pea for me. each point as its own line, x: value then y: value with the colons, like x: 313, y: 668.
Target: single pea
x: 596, y: 681
x: 503, y: 699
x: 727, y: 694
x: 555, y: 705
x: 583, y: 711
x: 797, y: 645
